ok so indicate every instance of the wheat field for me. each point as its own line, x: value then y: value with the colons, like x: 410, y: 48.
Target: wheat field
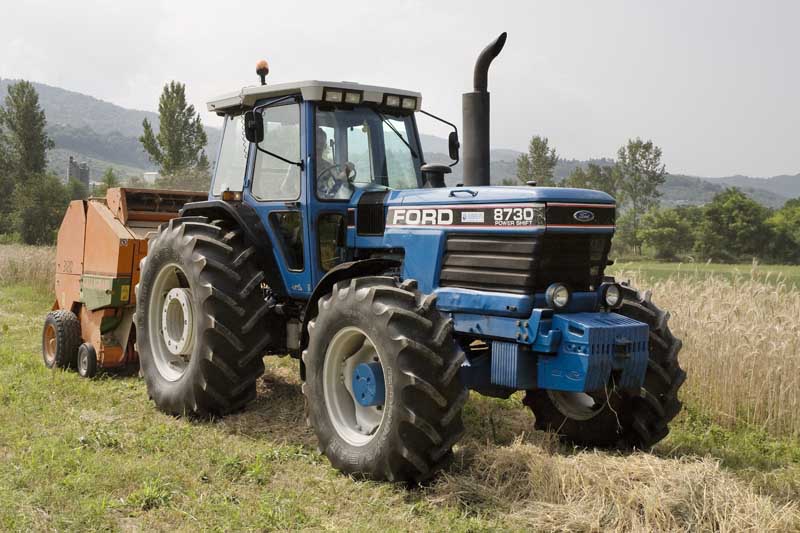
x: 741, y: 346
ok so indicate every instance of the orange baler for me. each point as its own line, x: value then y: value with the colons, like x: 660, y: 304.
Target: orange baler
x: 100, y: 244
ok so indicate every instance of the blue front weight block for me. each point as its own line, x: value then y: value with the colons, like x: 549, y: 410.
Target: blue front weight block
x: 368, y: 386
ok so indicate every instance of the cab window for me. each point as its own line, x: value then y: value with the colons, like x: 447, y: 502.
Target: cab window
x: 230, y: 168
x: 364, y: 147
x: 274, y: 179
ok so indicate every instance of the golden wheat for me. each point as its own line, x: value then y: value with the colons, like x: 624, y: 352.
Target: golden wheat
x: 741, y: 347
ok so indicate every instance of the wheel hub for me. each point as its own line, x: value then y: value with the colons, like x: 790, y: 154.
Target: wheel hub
x: 353, y: 385
x: 368, y: 387
x: 171, y: 322
x: 177, y: 326
x: 50, y: 344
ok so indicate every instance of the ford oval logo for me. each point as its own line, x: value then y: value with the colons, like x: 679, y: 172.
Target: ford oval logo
x: 583, y: 216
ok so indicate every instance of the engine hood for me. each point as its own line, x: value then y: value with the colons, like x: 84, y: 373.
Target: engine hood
x: 494, y: 195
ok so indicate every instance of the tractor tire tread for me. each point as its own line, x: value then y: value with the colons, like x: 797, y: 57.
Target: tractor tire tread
x: 428, y: 422
x: 223, y: 380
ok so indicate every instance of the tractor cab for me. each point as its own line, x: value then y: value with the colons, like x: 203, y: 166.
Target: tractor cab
x: 303, y: 155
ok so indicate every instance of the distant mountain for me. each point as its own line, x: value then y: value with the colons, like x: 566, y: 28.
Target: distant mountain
x: 678, y: 189
x: 690, y: 190
x: 102, y: 133
x: 106, y: 135
x: 780, y: 185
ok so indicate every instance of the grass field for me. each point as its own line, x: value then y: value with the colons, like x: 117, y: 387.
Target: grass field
x: 81, y: 455
x: 652, y: 270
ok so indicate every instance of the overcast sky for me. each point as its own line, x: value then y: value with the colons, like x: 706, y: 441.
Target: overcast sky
x: 716, y: 84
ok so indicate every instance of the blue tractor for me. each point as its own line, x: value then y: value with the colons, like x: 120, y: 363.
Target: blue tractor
x: 326, y: 236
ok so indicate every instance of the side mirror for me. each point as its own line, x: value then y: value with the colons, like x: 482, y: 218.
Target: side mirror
x: 254, y: 126
x: 453, y: 145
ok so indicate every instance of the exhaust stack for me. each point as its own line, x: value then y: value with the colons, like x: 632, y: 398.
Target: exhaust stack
x: 476, y: 118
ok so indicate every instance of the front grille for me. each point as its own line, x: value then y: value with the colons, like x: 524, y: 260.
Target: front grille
x: 370, y: 217
x: 524, y: 264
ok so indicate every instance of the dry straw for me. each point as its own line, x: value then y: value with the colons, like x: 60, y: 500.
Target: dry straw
x: 32, y: 265
x: 538, y: 490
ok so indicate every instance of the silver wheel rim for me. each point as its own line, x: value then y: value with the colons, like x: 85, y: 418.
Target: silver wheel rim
x: 575, y: 405
x: 355, y: 423
x: 171, y: 322
x: 83, y: 362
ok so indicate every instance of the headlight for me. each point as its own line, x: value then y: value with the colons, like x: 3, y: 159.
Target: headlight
x: 557, y: 296
x: 612, y: 295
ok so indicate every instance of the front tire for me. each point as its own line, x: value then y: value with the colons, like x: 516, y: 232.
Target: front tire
x: 409, y: 434
x: 614, y: 417
x: 199, y: 315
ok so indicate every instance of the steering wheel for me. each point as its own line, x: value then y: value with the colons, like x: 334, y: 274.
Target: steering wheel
x: 349, y: 170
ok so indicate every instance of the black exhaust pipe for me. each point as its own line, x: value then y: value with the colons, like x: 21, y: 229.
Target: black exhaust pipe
x: 476, y: 118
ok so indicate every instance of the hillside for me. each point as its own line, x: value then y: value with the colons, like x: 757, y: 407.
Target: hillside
x: 106, y: 135
x: 102, y: 133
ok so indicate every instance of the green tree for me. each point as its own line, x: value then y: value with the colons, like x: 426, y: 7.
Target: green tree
x: 181, y: 138
x: 6, y: 188
x: 108, y: 181
x: 624, y: 236
x: 538, y: 164
x: 23, y: 145
x: 601, y: 178
x: 40, y: 202
x: 667, y: 232
x: 24, y: 124
x: 77, y: 190
x: 785, y: 226
x: 734, y: 228
x: 641, y: 171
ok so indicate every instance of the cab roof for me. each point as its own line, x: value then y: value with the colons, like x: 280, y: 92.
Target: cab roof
x: 309, y: 89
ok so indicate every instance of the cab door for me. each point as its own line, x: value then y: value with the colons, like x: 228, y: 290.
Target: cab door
x: 275, y: 188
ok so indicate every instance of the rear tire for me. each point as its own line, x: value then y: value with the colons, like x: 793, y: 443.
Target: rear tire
x: 61, y: 336
x: 421, y: 409
x: 213, y: 319
x: 622, y: 418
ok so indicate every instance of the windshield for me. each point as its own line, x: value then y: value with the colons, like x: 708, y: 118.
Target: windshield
x: 362, y: 147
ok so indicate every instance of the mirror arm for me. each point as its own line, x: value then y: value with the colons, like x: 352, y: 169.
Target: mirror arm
x: 440, y: 119
x: 297, y: 163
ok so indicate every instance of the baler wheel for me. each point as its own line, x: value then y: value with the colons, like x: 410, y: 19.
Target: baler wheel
x: 60, y: 339
x: 200, y: 318
x: 403, y: 418
x: 619, y: 418
x: 87, y: 360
